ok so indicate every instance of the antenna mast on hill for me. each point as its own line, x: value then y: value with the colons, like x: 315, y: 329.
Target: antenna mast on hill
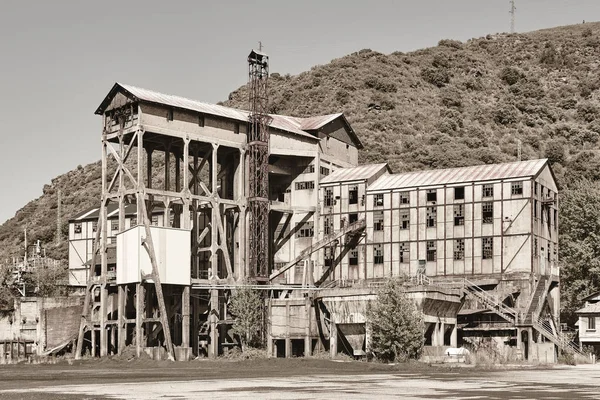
x: 58, y: 217
x: 512, y: 11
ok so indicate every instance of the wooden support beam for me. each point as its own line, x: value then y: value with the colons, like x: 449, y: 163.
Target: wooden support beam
x: 140, y: 297
x: 213, y: 347
x: 185, y: 317
x: 122, y: 324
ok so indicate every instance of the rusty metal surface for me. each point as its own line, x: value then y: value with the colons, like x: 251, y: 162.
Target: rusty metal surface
x: 488, y: 172
x: 359, y: 173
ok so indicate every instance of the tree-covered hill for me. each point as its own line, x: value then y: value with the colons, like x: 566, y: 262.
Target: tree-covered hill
x: 450, y: 105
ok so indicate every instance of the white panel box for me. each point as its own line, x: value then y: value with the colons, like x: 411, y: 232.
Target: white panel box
x: 172, y: 247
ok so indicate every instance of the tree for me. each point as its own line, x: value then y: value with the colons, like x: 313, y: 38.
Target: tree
x: 579, y: 250
x: 247, y: 306
x: 397, y: 328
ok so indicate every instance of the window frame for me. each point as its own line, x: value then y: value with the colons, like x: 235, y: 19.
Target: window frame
x: 459, y: 193
x: 487, y: 216
x: 487, y: 253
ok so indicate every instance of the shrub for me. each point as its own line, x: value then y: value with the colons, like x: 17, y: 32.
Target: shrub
x: 505, y: 115
x: 436, y: 76
x: 556, y: 151
x: 248, y: 308
x: 587, y: 32
x: 397, y: 328
x: 454, y: 44
x: 380, y: 85
x: 510, y: 75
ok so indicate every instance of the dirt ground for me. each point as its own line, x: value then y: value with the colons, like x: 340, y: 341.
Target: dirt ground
x: 291, y: 379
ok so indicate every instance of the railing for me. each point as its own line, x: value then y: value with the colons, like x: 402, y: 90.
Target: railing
x: 544, y: 327
x: 496, y: 306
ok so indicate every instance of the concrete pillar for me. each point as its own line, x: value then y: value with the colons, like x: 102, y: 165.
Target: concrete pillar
x: 269, y: 329
x: 307, y: 338
x: 140, y: 297
x: 185, y: 318
x: 442, y: 334
x: 121, y: 325
x: 288, y: 341
x: 519, y: 339
x: 213, y: 348
x: 333, y: 336
x: 454, y: 336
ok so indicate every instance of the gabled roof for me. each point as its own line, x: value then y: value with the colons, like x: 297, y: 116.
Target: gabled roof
x: 589, y: 309
x: 360, y: 173
x: 316, y: 123
x: 112, y: 211
x: 487, y: 172
x: 284, y: 123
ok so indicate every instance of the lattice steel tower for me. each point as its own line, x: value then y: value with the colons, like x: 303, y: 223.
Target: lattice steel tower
x: 258, y: 165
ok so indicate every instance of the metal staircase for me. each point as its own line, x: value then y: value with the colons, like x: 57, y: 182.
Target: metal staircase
x: 506, y: 312
x: 547, y: 329
x: 353, y: 228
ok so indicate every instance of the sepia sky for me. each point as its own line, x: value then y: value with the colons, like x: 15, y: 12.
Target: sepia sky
x: 58, y: 59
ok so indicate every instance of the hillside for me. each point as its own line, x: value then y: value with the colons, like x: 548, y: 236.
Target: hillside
x: 450, y: 105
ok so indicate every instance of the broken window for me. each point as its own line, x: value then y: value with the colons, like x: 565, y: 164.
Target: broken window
x: 378, y: 220
x: 516, y: 188
x: 353, y: 195
x: 94, y: 226
x: 459, y: 193
x: 488, y: 191
x: 459, y: 249
x: 114, y: 225
x: 305, y: 230
x: 404, y: 253
x: 378, y: 254
x: 328, y: 197
x: 404, y: 219
x: 324, y: 171
x: 77, y: 227
x: 353, y: 217
x: 353, y: 257
x: 431, y: 216
x: 459, y: 214
x: 328, y: 258
x: 432, y: 195
x: 487, y: 212
x: 378, y: 200
x: 328, y: 226
x: 431, y: 250
x: 305, y: 185
x: 404, y: 197
x: 487, y: 247
x: 308, y: 169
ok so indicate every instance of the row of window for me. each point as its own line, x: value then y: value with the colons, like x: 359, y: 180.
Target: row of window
x: 309, y: 169
x: 459, y: 194
x: 114, y: 224
x: 487, y: 251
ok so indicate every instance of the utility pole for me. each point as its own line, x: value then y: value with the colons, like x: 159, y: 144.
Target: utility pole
x: 519, y: 149
x: 58, y: 217
x: 512, y: 11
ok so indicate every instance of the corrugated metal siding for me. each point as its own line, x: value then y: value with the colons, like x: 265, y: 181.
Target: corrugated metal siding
x: 354, y: 174
x: 475, y: 173
x: 312, y: 123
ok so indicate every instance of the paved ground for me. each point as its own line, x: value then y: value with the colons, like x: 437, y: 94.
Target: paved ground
x: 292, y: 379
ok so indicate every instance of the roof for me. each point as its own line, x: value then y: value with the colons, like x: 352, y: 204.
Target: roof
x: 487, y: 172
x: 112, y: 211
x: 359, y: 173
x: 284, y: 123
x: 589, y: 309
x: 592, y: 296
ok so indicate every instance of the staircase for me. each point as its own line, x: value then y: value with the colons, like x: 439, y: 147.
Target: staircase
x: 351, y: 229
x: 537, y: 301
x: 506, y: 312
x: 546, y: 329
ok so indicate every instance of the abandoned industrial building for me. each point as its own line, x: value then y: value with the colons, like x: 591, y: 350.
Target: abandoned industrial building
x: 281, y: 202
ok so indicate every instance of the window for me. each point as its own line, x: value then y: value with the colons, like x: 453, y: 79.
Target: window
x: 431, y: 216
x: 432, y: 195
x: 404, y: 198
x: 488, y: 191
x: 459, y: 214
x: 353, y: 195
x: 309, y: 169
x: 487, y: 248
x: 516, y: 188
x: 431, y: 250
x: 353, y: 217
x: 378, y: 220
x: 133, y: 221
x: 555, y: 219
x: 305, y: 185
x: 404, y: 253
x: 77, y: 227
x: 170, y: 114
x: 378, y: 254
x: 378, y: 200
x: 404, y: 219
x: 324, y: 171
x: 307, y: 229
x: 236, y: 128
x: 487, y: 212
x: 591, y: 324
x: 155, y: 220
x: 328, y: 226
x: 535, y: 208
x: 535, y: 188
x: 459, y: 193
x: 94, y: 226
x: 201, y: 120
x: 459, y: 249
x: 548, y: 253
x: 114, y: 225
x: 328, y: 197
x: 353, y: 257
x: 535, y: 247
